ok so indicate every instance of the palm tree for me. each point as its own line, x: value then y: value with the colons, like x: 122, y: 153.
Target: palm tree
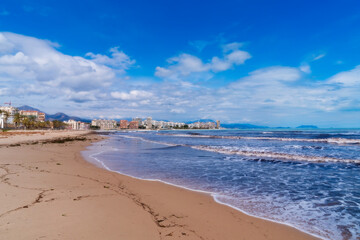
x: 17, y: 119
x: 28, y: 122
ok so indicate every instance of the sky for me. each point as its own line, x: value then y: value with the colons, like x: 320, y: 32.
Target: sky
x: 272, y: 63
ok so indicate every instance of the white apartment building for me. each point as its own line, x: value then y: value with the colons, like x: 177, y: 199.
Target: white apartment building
x: 77, y: 125
x: 104, y: 124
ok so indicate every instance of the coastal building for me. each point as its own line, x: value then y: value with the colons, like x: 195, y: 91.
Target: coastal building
x: 137, y: 119
x: 9, y: 112
x: 9, y: 109
x: 124, y: 124
x: 39, y: 116
x: 217, y: 124
x: 2, y: 120
x: 104, y: 124
x: 134, y: 125
x: 77, y: 125
x: 203, y: 125
x: 149, y: 123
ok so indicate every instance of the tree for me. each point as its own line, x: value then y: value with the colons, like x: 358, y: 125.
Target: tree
x: 17, y: 119
x: 58, y: 124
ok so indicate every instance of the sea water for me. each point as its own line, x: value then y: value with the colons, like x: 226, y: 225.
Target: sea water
x: 309, y: 179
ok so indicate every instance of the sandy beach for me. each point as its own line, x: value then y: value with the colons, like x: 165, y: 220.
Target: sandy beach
x: 48, y: 191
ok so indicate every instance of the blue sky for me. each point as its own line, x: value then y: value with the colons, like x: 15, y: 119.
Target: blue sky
x: 274, y: 63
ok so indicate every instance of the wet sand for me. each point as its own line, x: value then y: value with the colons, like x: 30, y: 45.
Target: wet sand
x: 48, y: 191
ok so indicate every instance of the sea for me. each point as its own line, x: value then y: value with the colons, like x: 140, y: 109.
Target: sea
x: 308, y: 179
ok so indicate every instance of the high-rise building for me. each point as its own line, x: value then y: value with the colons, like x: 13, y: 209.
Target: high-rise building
x: 148, y: 123
x: 104, y: 124
x: 2, y: 120
x: 217, y: 124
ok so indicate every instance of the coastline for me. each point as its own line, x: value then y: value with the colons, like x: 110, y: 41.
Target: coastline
x: 51, y: 191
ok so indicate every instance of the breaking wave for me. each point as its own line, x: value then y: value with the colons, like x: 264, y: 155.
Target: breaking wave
x: 318, y: 140
x: 272, y: 155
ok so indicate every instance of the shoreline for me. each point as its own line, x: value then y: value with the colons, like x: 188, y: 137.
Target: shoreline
x: 43, y: 180
x: 213, y: 195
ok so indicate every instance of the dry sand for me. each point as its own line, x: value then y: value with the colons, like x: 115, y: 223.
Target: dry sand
x: 48, y: 191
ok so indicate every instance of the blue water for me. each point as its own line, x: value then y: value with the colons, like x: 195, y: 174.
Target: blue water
x: 307, y: 179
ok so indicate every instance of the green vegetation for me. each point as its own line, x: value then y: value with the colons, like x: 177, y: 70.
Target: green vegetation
x: 94, y: 127
x: 30, y: 122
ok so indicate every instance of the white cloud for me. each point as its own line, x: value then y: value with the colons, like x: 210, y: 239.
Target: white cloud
x: 305, y: 68
x: 275, y: 73
x: 82, y: 96
x: 34, y: 70
x: 272, y: 95
x: 188, y: 66
x: 28, y: 59
x: 132, y: 95
x: 34, y: 66
x: 181, y: 66
x: 118, y: 59
x: 232, y: 46
x: 347, y: 78
x: 319, y: 56
x: 234, y: 58
x: 177, y: 110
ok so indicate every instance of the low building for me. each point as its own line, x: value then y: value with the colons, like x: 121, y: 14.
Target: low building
x: 104, y: 124
x: 39, y: 116
x: 9, y: 109
x: 124, y: 124
x: 9, y: 113
x: 77, y: 125
x: 134, y: 125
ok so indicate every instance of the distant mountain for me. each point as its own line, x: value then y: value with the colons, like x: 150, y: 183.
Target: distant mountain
x: 200, y: 120
x: 240, y: 125
x: 64, y: 117
x: 28, y: 108
x: 57, y: 116
x: 307, y: 126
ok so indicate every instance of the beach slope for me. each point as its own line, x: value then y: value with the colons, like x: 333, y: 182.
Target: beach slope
x: 48, y: 191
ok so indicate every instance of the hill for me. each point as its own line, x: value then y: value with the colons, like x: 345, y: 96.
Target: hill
x: 200, y: 120
x: 307, y: 127
x: 57, y: 116
x: 241, y: 125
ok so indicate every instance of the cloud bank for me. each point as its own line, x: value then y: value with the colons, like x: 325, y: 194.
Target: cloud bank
x: 35, y: 72
x: 186, y: 65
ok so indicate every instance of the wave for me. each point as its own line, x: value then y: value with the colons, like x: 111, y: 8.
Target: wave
x: 272, y: 155
x: 253, y: 152
x: 150, y: 141
x: 319, y: 140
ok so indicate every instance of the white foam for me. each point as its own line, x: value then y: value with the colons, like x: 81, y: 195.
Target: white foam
x: 215, y: 196
x: 276, y: 155
x: 320, y: 140
x: 150, y: 141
